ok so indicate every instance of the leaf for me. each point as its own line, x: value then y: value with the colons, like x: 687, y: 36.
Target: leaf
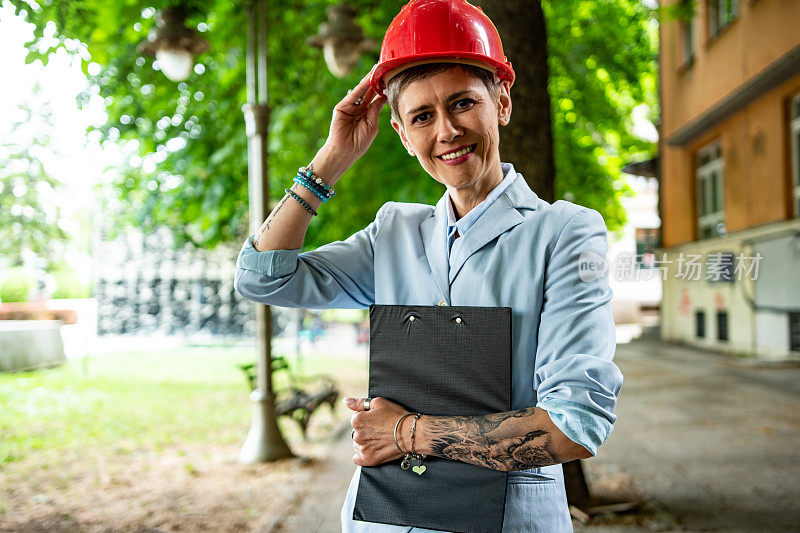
x: 617, y: 36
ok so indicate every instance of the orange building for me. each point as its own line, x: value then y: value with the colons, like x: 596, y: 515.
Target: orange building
x: 730, y: 175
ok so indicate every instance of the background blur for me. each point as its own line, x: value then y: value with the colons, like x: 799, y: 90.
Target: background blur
x: 126, y: 357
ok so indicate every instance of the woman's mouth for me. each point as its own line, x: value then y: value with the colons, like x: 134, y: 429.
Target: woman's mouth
x: 458, y: 156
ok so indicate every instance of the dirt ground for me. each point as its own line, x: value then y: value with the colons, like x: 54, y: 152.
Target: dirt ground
x: 205, y: 488
x: 201, y: 488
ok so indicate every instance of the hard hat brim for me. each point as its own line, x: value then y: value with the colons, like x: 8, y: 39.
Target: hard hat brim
x: 387, y: 70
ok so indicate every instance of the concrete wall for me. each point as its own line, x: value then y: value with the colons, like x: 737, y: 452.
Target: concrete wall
x: 778, y: 283
x: 29, y: 344
x: 757, y: 309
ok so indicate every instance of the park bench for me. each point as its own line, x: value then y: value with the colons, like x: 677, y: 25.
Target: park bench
x: 302, y: 397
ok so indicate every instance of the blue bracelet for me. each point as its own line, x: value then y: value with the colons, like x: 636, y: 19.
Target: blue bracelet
x: 315, y: 181
x: 317, y: 184
x: 305, y: 183
x: 309, y: 174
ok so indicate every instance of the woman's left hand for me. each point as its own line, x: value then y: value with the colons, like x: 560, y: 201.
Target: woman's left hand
x: 373, y: 430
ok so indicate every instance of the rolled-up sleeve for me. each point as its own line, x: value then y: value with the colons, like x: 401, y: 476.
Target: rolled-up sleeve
x: 576, y: 381
x: 337, y: 275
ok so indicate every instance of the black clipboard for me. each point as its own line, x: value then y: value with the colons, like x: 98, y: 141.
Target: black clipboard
x: 447, y: 360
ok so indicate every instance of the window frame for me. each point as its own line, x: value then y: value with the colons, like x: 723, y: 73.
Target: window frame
x: 723, y: 331
x: 794, y: 331
x: 700, y: 324
x: 688, y: 30
x: 710, y: 183
x: 721, y: 14
x: 794, y: 141
x: 647, y: 240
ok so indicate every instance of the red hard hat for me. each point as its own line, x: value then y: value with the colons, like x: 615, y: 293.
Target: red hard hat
x: 434, y: 31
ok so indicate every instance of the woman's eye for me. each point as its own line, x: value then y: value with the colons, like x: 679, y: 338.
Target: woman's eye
x: 463, y: 104
x: 422, y: 117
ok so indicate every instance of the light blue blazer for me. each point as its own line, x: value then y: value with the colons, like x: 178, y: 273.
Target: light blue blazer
x: 522, y: 253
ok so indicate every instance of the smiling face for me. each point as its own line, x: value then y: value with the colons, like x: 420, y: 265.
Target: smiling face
x: 449, y: 120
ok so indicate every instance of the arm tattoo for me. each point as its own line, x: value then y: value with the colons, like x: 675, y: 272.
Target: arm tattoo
x: 491, y: 441
x: 265, y: 226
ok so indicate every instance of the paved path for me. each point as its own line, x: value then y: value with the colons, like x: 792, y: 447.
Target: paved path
x: 712, y: 441
x: 316, y: 508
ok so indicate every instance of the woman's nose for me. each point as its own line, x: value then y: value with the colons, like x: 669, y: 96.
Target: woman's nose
x: 447, y: 129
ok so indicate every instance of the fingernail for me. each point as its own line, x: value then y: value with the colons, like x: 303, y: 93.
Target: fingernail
x: 347, y: 401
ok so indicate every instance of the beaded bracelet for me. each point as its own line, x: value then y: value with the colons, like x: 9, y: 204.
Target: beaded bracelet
x: 308, y: 172
x: 302, y: 202
x: 315, y: 186
x: 316, y: 181
x: 305, y: 183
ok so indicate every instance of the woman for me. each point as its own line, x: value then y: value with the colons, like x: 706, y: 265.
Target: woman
x: 490, y: 241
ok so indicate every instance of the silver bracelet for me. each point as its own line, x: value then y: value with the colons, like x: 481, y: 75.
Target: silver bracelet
x: 408, y: 457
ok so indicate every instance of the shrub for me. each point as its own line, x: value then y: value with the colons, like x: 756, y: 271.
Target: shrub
x: 16, y: 284
x: 68, y: 285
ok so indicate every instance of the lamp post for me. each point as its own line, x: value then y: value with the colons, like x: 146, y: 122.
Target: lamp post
x: 264, y: 440
x: 344, y: 39
x: 341, y: 39
x: 173, y: 44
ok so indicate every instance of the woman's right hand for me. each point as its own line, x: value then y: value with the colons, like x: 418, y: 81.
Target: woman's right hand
x: 353, y: 128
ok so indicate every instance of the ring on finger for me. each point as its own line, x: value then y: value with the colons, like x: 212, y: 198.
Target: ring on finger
x: 367, y: 401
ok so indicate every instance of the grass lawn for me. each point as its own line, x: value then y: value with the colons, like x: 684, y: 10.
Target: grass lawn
x: 122, y: 402
x: 141, y: 429
x: 127, y: 401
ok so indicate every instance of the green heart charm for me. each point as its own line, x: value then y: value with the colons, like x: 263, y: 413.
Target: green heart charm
x: 419, y: 469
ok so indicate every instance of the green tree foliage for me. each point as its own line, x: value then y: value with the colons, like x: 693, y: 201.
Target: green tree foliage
x: 191, y: 170
x: 603, y: 63
x: 29, y: 210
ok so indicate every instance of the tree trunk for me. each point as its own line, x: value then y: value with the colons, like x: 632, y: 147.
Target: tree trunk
x: 527, y: 141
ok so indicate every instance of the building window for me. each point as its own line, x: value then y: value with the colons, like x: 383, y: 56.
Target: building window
x: 720, y: 14
x: 700, y: 324
x: 646, y: 244
x: 795, y: 135
x: 710, y: 211
x: 722, y: 325
x: 794, y: 332
x: 687, y: 32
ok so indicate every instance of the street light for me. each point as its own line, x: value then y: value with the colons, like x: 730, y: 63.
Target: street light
x: 174, y: 45
x: 341, y: 39
x: 264, y: 441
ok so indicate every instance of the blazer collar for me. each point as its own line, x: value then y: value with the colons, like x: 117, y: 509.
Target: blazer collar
x: 501, y: 216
